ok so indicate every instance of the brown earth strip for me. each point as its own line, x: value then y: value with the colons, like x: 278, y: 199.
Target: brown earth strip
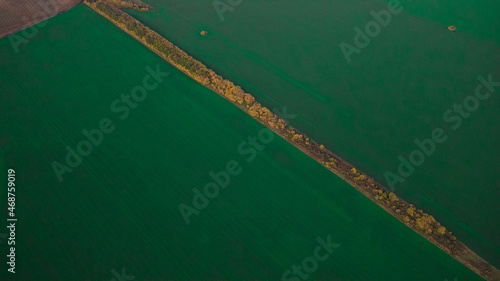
x: 16, y: 15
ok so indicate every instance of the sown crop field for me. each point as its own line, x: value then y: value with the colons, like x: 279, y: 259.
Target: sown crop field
x: 477, y: 19
x: 20, y: 14
x: 411, y: 78
x: 119, y: 208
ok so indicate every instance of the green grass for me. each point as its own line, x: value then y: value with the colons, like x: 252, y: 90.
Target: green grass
x: 477, y: 19
x: 369, y: 111
x: 119, y: 208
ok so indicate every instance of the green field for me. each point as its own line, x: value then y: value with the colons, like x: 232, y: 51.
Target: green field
x: 477, y: 19
x: 119, y: 207
x: 369, y: 111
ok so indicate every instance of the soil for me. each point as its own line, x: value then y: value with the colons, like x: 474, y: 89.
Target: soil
x: 16, y: 15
